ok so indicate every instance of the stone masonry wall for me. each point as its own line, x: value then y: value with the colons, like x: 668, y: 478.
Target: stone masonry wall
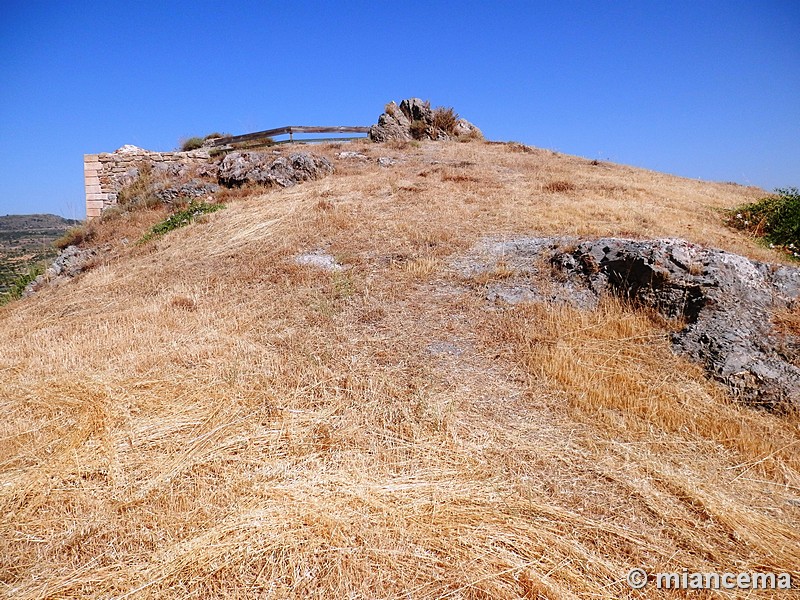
x: 105, y: 174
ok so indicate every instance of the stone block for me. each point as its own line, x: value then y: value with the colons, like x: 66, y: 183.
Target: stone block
x: 96, y: 196
x: 93, y: 189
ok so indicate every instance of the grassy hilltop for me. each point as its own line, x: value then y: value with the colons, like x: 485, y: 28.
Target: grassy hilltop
x: 201, y: 416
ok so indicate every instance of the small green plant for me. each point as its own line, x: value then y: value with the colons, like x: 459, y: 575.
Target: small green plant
x: 17, y: 287
x: 193, y: 143
x: 180, y: 219
x: 776, y: 219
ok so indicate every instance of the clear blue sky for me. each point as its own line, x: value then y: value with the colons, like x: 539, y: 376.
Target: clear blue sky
x: 702, y: 89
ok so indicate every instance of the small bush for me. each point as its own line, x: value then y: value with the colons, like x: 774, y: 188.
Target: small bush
x: 776, y: 219
x: 180, y: 219
x: 193, y: 143
x: 445, y: 119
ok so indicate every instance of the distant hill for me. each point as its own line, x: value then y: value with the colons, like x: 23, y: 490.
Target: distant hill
x: 26, y: 240
x: 35, y: 223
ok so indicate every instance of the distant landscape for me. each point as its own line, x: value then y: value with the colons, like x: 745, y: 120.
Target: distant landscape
x: 26, y: 241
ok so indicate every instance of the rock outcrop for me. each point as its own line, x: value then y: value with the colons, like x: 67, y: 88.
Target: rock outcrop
x: 238, y: 168
x: 69, y: 263
x: 415, y: 119
x: 726, y: 301
x: 195, y: 188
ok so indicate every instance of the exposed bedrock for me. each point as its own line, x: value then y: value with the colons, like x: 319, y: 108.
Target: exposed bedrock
x: 726, y: 301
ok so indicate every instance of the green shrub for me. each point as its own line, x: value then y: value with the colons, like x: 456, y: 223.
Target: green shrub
x: 193, y: 143
x: 180, y: 219
x: 17, y: 287
x: 776, y: 219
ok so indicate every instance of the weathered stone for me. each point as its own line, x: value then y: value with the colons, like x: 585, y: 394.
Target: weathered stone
x: 130, y: 149
x: 193, y: 189
x: 725, y: 300
x: 414, y: 118
x: 238, y: 168
x: 466, y: 130
x: 320, y: 259
x: 352, y: 155
x: 69, y: 263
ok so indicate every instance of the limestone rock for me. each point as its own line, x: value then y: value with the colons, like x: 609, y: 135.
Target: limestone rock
x: 130, y: 149
x: 192, y: 189
x: 70, y: 262
x: 238, y: 168
x: 319, y: 259
x: 414, y: 119
x: 467, y: 131
x: 725, y: 300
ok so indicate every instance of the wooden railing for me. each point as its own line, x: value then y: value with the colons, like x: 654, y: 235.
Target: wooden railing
x: 291, y: 130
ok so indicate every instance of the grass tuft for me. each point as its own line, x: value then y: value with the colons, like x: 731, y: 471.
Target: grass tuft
x: 75, y: 236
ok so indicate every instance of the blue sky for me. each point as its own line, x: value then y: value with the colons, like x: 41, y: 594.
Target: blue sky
x: 703, y: 89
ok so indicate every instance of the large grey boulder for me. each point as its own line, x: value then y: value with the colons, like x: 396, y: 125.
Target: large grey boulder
x: 725, y: 300
x: 70, y: 262
x: 170, y: 192
x: 238, y: 168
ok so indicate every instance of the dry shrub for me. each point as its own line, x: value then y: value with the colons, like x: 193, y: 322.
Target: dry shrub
x: 445, y: 119
x: 559, y: 187
x: 459, y: 178
x: 74, y: 236
x: 419, y: 129
x: 139, y: 193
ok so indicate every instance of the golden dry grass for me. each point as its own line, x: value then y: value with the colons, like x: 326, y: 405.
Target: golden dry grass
x: 201, y: 417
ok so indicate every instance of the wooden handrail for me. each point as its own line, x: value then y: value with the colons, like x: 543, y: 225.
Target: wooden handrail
x: 291, y: 129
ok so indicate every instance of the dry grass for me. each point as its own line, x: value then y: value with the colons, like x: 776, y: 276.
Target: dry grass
x: 203, y: 418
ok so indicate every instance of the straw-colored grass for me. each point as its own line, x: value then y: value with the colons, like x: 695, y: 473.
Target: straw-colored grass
x: 200, y: 417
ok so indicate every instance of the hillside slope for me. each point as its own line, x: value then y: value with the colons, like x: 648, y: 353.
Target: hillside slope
x: 204, y: 417
x: 26, y: 240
